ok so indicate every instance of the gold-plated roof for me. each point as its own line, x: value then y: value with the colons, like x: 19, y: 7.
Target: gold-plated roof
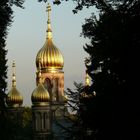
x: 40, y: 95
x: 14, y: 99
x: 50, y: 55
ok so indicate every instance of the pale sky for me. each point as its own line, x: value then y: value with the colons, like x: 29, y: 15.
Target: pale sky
x: 27, y: 35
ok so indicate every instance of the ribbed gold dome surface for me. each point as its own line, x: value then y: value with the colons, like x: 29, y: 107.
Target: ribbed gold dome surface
x: 40, y: 96
x: 14, y: 99
x: 50, y: 57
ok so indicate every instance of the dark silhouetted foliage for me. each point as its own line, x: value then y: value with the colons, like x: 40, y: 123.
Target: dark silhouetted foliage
x: 54, y: 1
x: 112, y: 65
x: 81, y: 104
x: 16, y: 126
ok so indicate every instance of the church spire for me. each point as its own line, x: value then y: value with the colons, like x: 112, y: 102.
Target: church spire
x: 49, y: 31
x: 14, y: 74
x: 14, y: 98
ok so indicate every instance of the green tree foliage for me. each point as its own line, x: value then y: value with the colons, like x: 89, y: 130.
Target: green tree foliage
x: 81, y: 105
x: 27, y: 116
x: 16, y: 126
x: 75, y: 131
x: 73, y: 97
x: 5, y: 21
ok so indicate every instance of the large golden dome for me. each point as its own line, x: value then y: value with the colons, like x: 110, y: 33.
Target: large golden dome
x: 14, y: 98
x: 49, y: 55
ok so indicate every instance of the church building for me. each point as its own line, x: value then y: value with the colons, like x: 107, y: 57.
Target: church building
x: 48, y: 100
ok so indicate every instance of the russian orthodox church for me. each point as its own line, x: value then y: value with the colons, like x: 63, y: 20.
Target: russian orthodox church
x: 48, y: 99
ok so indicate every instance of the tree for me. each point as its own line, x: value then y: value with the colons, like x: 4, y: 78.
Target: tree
x: 81, y: 103
x: 17, y: 126
x: 5, y: 22
x: 115, y: 36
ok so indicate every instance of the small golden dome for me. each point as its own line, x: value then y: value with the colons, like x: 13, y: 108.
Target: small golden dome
x: 49, y: 55
x: 14, y: 99
x: 40, y: 96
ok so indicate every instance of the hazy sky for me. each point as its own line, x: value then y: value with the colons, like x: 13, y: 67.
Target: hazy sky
x: 27, y: 35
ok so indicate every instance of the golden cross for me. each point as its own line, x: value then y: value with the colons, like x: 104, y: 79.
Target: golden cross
x: 48, y: 10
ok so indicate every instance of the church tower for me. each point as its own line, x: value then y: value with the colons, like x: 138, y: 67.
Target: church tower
x: 48, y: 100
x: 41, y: 113
x: 14, y: 99
x: 51, y: 62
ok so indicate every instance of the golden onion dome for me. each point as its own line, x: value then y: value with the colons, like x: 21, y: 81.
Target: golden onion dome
x: 40, y: 95
x: 49, y: 55
x: 14, y: 99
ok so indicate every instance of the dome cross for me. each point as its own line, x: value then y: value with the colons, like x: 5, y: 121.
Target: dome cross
x: 49, y: 31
